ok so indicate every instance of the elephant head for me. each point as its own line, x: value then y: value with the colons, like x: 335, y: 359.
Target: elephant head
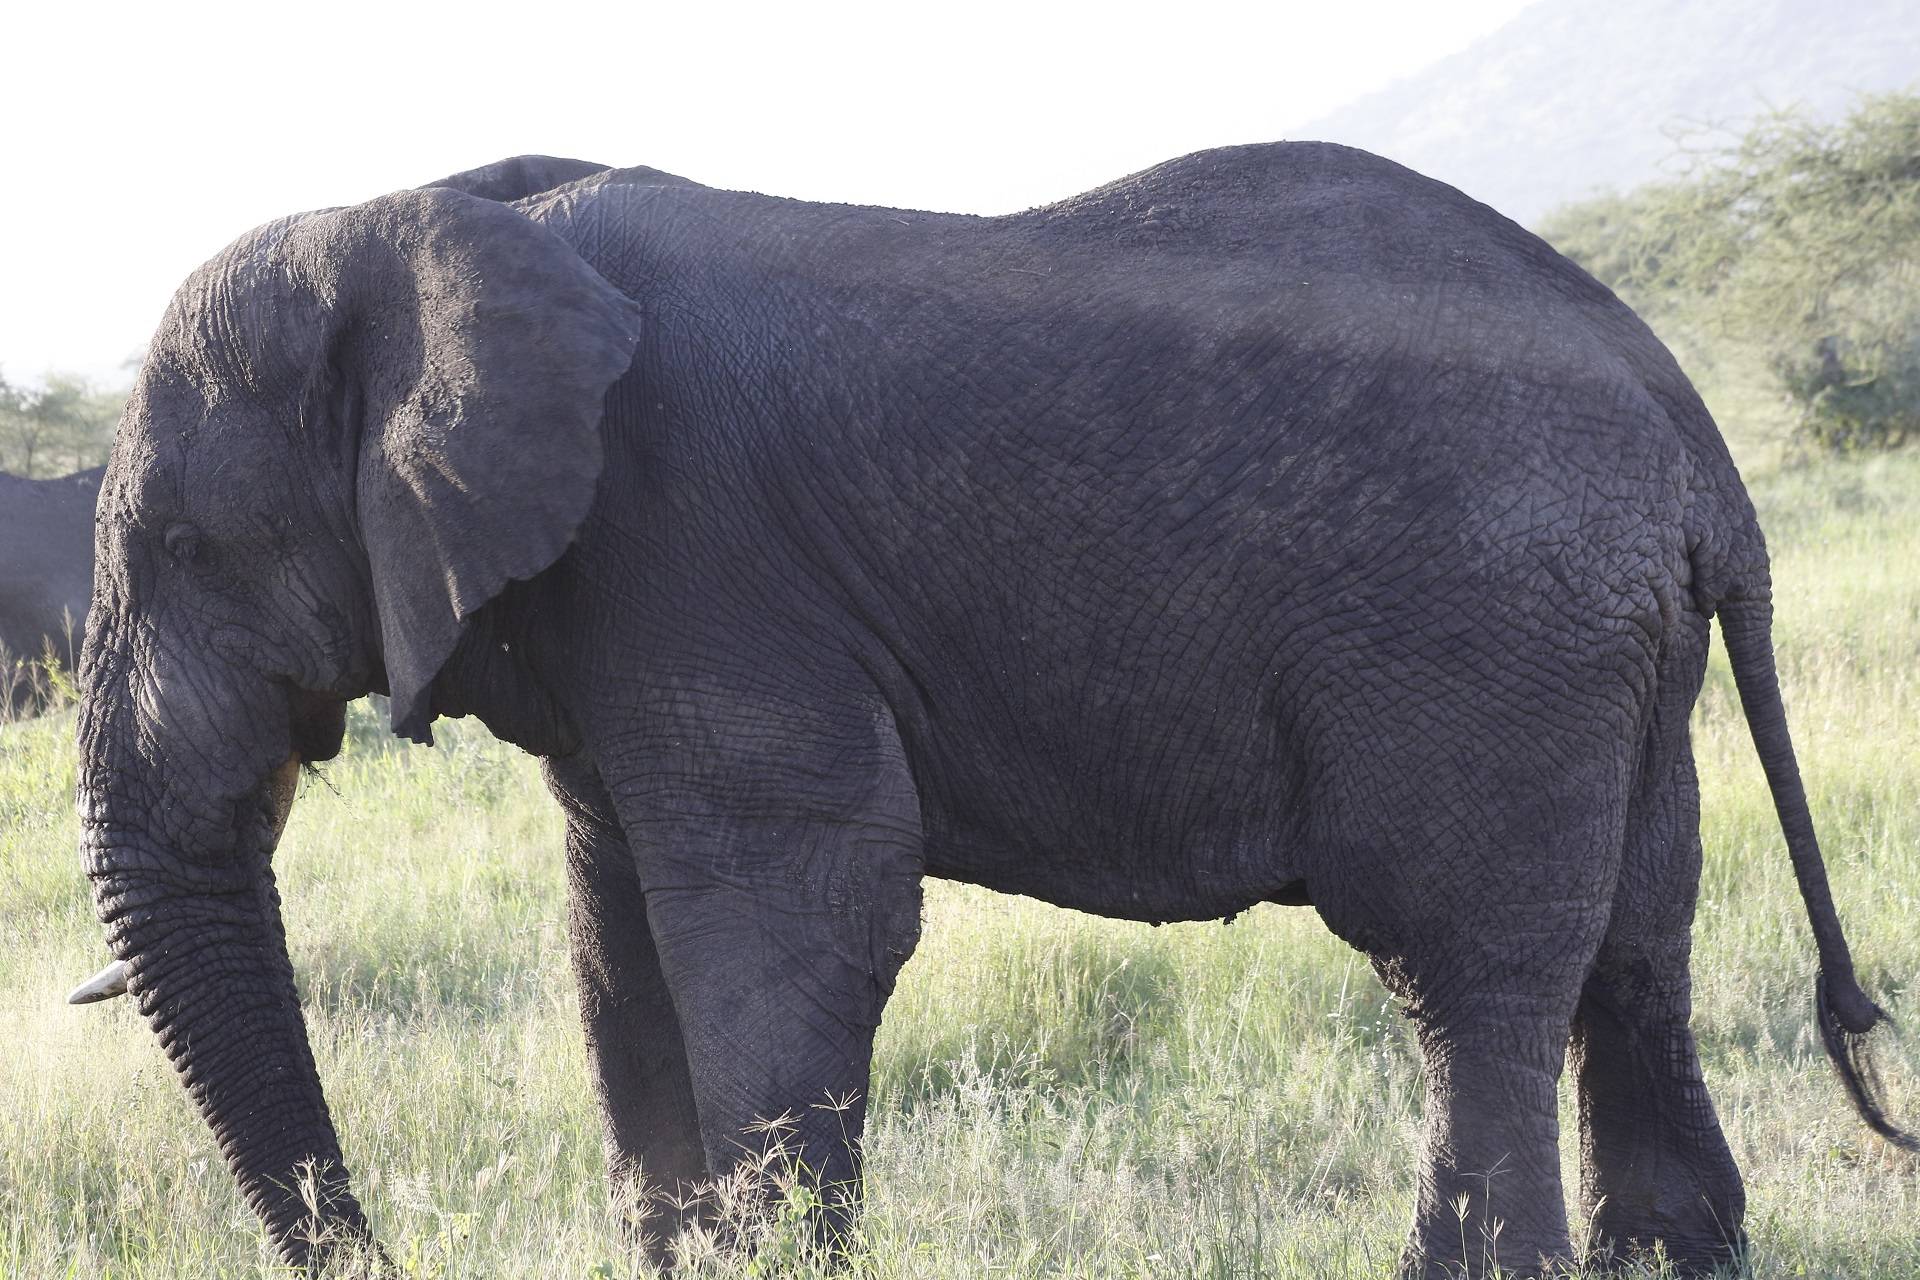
x: 353, y: 429
x: 519, y: 176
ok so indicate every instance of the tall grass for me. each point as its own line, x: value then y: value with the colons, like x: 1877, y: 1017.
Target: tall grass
x: 1054, y: 1095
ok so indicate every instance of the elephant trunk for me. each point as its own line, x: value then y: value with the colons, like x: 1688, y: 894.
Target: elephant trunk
x: 198, y: 929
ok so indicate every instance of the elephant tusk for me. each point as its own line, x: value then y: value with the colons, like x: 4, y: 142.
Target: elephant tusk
x: 104, y: 985
x: 112, y: 980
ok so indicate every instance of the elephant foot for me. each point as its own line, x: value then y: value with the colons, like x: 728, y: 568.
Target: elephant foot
x: 1461, y: 1263
x: 1690, y: 1252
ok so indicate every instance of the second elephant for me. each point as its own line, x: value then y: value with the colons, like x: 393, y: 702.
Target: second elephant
x: 46, y: 578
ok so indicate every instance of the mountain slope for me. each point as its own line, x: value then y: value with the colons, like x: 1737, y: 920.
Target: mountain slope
x: 1574, y: 96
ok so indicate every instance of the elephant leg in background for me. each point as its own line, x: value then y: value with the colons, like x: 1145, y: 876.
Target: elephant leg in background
x: 783, y: 912
x: 655, y: 1159
x: 1654, y: 1163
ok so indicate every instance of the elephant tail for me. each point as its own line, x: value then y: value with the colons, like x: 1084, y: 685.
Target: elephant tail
x: 1845, y: 1013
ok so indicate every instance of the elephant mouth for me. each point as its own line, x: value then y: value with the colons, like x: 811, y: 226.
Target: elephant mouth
x: 318, y: 726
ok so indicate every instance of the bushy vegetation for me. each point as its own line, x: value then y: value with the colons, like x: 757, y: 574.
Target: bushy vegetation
x: 1790, y: 258
x: 1055, y: 1095
x: 64, y: 426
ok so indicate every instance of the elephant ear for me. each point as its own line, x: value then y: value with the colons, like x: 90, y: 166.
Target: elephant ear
x: 479, y: 349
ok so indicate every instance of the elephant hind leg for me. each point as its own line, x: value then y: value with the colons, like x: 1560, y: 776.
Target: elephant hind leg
x: 1655, y: 1166
x: 1654, y: 1163
x: 1480, y: 889
x: 655, y: 1160
x: 1490, y: 983
x: 1489, y: 1194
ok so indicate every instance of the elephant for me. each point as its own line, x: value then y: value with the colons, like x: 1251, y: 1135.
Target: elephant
x: 46, y: 576
x: 517, y: 177
x: 1272, y: 525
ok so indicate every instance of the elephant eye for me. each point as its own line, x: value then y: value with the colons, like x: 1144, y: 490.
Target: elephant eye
x: 183, y: 542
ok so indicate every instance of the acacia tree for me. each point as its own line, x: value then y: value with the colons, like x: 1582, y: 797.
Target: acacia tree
x: 66, y: 425
x: 1800, y: 242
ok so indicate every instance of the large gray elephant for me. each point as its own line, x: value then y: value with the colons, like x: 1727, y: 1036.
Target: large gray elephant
x: 46, y: 577
x: 1273, y: 525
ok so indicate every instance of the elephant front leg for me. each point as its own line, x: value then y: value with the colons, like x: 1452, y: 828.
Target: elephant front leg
x: 781, y: 859
x: 656, y: 1162
x: 781, y: 977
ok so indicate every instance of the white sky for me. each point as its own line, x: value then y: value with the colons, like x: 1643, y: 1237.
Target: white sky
x: 142, y: 138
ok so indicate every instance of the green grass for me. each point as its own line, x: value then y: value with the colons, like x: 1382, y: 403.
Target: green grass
x: 1054, y: 1095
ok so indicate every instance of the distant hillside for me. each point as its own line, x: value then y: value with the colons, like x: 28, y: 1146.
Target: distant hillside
x: 1575, y: 96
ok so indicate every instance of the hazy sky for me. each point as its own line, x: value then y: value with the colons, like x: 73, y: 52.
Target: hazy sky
x: 145, y: 137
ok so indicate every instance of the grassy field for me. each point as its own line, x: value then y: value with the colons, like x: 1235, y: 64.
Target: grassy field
x: 1055, y: 1095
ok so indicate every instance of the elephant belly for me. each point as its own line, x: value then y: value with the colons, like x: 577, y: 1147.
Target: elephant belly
x: 1201, y: 880
x: 1160, y: 800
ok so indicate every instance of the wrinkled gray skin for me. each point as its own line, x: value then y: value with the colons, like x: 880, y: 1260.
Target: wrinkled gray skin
x: 46, y: 574
x: 1275, y: 524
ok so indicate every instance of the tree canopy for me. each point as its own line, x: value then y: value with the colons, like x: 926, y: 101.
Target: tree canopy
x: 64, y: 426
x: 1800, y: 243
